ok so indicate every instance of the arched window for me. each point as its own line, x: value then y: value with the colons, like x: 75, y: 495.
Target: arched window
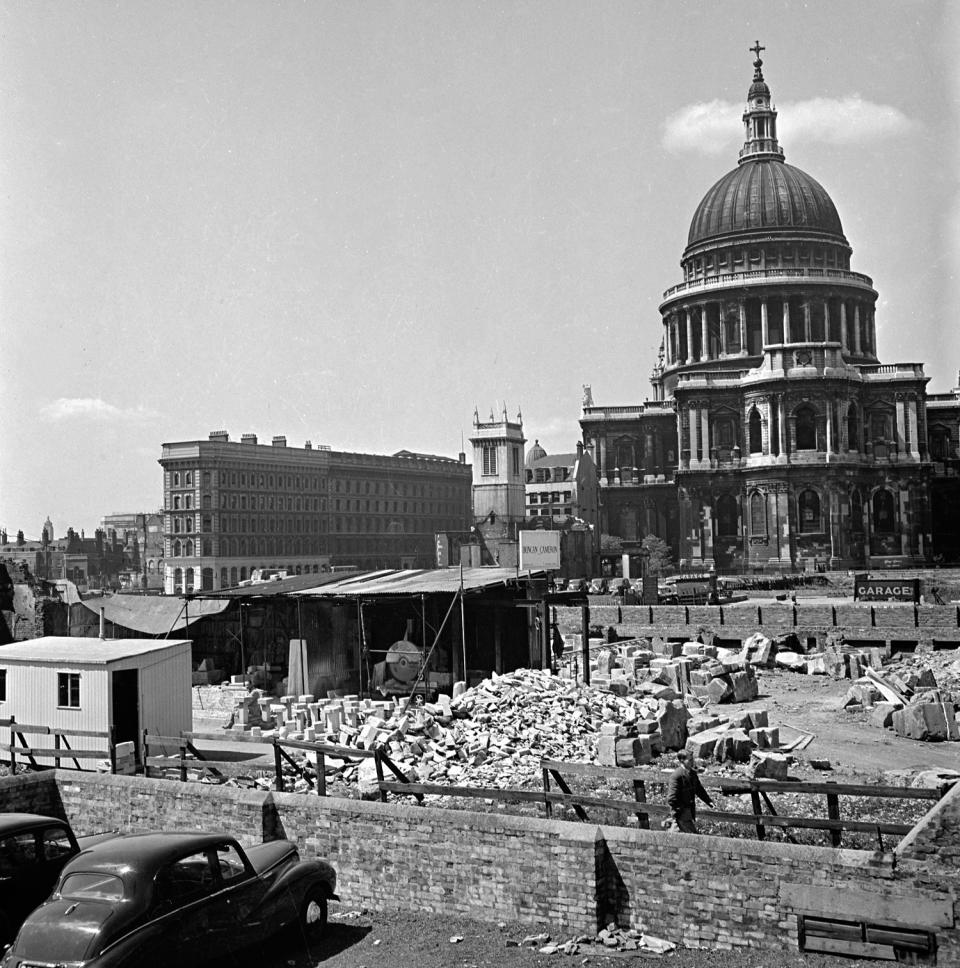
x: 206, y: 502
x: 223, y: 577
x: 756, y: 432
x: 856, y: 512
x: 233, y: 576
x: 189, y: 549
x: 853, y: 428
x: 207, y: 547
x: 176, y: 502
x: 177, y: 547
x: 758, y: 514
x: 188, y: 479
x: 188, y: 580
x: 884, y: 512
x: 177, y: 579
x: 177, y: 525
x: 243, y: 574
x: 806, y: 419
x: 206, y: 579
x: 188, y: 522
x: 727, y: 516
x: 808, y: 511
x: 187, y: 501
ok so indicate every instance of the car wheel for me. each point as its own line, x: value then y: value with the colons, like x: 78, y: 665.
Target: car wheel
x: 313, y: 912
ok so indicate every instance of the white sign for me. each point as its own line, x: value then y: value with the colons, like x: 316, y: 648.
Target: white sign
x: 540, y: 550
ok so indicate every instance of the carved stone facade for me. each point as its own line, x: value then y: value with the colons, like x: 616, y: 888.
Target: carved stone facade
x: 775, y: 438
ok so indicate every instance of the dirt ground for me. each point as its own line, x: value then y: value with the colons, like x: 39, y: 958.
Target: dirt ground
x: 357, y: 939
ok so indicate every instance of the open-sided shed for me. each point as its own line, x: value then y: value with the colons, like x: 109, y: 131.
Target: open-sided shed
x: 91, y: 684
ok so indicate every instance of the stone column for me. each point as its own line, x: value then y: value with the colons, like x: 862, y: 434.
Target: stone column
x: 914, y: 425
x: 806, y: 320
x: 743, y: 328
x: 843, y: 326
x: 705, y: 435
x: 689, y: 337
x: 787, y: 335
x: 764, y: 323
x: 829, y: 428
x: 603, y: 459
x: 782, y: 427
x: 901, y: 426
x: 856, y: 329
x: 694, y: 437
x: 723, y: 330
x: 704, y: 334
x: 826, y: 320
x: 902, y: 522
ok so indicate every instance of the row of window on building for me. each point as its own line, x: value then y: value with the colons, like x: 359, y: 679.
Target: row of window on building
x: 68, y: 689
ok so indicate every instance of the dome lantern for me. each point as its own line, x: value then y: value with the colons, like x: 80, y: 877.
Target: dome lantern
x: 759, y: 119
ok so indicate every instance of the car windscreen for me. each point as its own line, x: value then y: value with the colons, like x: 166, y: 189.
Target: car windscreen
x: 92, y: 886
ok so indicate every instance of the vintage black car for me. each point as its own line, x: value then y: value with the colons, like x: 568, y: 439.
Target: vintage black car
x: 33, y: 851
x: 179, y: 899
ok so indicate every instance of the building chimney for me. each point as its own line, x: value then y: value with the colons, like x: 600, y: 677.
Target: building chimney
x: 103, y: 623
x: 248, y: 438
x: 279, y: 440
x: 579, y: 449
x: 220, y: 436
x: 308, y: 446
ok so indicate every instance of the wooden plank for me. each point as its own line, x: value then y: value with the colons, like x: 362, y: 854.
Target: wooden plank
x: 341, y: 752
x: 902, y: 910
x: 614, y: 772
x: 176, y: 742
x: 833, y: 813
x: 581, y: 813
x: 909, y: 940
x: 844, y: 789
x: 58, y: 731
x: 822, y: 928
x: 229, y: 736
x: 59, y: 753
x: 857, y: 949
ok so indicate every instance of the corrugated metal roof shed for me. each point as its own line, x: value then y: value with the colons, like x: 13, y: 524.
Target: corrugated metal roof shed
x: 283, y: 586
x: 78, y: 649
x: 423, y: 582
x: 153, y: 614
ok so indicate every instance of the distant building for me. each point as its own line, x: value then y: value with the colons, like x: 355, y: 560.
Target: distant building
x: 560, y: 487
x: 498, y: 487
x: 90, y: 563
x: 234, y: 506
x: 140, y: 535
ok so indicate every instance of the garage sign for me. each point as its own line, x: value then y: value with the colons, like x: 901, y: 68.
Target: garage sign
x: 867, y: 589
x: 540, y: 550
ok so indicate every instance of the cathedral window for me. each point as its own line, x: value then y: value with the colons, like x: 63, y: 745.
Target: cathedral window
x: 808, y: 511
x: 756, y: 432
x: 884, y: 512
x: 940, y: 443
x: 856, y: 512
x: 806, y: 420
x: 758, y: 514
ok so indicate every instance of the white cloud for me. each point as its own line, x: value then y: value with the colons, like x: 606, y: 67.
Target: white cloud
x: 91, y: 408
x: 714, y: 127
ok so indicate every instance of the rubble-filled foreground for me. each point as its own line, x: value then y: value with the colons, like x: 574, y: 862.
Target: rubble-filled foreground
x: 648, y: 697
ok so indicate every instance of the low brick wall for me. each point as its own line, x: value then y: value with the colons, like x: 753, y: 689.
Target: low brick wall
x: 32, y: 793
x: 697, y: 891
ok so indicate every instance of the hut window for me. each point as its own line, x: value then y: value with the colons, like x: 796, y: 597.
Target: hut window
x: 3, y: 685
x: 68, y: 690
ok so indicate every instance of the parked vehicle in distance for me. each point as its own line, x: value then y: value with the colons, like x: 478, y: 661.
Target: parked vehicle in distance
x: 170, y: 898
x: 577, y: 585
x: 619, y: 585
x: 559, y: 584
x: 33, y: 851
x: 667, y: 595
x: 598, y: 586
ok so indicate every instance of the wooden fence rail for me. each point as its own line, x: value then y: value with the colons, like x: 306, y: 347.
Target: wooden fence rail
x: 61, y: 750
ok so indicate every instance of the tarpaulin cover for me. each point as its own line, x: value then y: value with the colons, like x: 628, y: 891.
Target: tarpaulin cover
x: 154, y: 614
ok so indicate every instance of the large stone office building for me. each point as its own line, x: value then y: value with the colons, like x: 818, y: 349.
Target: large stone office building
x: 775, y: 437
x: 232, y: 507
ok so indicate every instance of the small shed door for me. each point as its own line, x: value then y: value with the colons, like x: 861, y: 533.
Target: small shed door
x: 126, y: 706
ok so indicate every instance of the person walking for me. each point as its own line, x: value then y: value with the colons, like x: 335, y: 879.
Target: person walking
x: 682, y: 793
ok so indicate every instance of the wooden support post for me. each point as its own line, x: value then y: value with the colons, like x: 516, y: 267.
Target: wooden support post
x: 833, y: 813
x: 278, y: 766
x: 112, y: 740
x: 758, y: 810
x: 547, y: 805
x: 378, y: 763
x: 585, y: 642
x: 640, y: 795
x: 581, y: 813
x: 183, y: 761
x: 321, y: 774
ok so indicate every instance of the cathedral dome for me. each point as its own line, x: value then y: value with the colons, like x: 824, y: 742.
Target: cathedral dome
x: 764, y: 194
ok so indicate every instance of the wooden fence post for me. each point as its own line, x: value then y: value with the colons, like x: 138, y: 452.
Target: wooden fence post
x: 378, y: 764
x: 585, y: 642
x: 278, y: 766
x: 758, y: 810
x: 833, y: 813
x: 112, y: 741
x: 321, y: 774
x: 547, y: 805
x: 13, y: 755
x: 640, y: 795
x: 183, y: 760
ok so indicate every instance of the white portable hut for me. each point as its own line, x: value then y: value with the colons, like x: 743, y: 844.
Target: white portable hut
x: 93, y: 684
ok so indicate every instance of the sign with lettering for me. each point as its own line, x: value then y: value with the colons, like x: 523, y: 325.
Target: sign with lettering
x: 540, y: 550
x: 866, y: 589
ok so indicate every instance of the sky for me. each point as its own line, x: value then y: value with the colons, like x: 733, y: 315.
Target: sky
x: 352, y: 223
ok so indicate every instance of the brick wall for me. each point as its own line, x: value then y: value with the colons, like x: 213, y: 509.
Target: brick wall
x: 698, y: 891
x: 31, y: 793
